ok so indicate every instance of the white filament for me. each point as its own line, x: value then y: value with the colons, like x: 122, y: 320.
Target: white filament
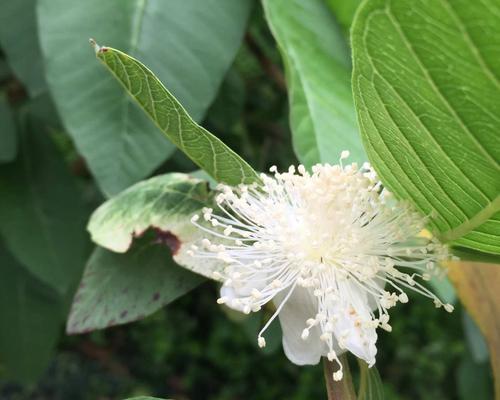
x: 336, y: 232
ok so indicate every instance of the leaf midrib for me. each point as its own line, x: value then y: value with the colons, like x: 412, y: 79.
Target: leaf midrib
x: 472, y: 223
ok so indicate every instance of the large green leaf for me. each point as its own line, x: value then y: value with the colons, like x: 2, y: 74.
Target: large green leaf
x: 426, y: 81
x: 165, y: 203
x: 8, y: 135
x: 120, y: 288
x: 190, y: 44
x: 31, y: 315
x: 201, y: 146
x: 19, y: 41
x: 42, y: 217
x: 318, y: 70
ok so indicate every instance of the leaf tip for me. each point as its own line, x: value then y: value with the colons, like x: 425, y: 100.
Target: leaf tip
x: 98, y: 49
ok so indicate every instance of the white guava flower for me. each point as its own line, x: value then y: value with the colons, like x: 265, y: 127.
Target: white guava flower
x: 331, y: 249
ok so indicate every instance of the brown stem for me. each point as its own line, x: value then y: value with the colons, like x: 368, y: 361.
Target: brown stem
x: 267, y: 65
x: 338, y: 390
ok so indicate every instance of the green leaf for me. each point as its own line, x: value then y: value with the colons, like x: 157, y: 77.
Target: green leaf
x: 201, y: 146
x: 120, y: 288
x: 19, y: 41
x: 190, y: 44
x: 165, y: 203
x: 318, y: 71
x: 471, y: 255
x: 31, y: 316
x: 42, y: 217
x: 370, y: 384
x: 344, y: 11
x: 426, y: 81
x: 8, y: 135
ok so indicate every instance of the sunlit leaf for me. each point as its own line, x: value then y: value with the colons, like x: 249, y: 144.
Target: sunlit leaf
x: 426, y: 82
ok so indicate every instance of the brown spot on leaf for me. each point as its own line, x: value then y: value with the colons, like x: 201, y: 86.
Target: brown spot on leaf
x: 169, y: 239
x: 123, y: 314
x: 156, y: 296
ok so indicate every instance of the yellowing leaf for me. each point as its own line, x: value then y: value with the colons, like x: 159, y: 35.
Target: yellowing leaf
x: 478, y: 286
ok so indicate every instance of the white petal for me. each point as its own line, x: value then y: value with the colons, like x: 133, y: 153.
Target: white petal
x: 232, y: 294
x: 360, y: 340
x: 301, y: 306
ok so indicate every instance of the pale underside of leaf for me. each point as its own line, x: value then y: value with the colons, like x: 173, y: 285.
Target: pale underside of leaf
x: 164, y: 203
x: 317, y: 64
x: 119, y: 143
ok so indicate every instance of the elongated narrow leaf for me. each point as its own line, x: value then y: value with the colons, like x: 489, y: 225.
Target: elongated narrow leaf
x: 8, y: 135
x: 201, y: 146
x: 120, y: 288
x: 42, y: 217
x: 19, y: 41
x: 164, y: 203
x: 190, y: 44
x: 370, y: 385
x: 477, y: 286
x: 427, y: 88
x: 31, y: 315
x: 318, y: 70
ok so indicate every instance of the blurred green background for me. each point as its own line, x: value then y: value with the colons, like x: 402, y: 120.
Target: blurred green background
x: 192, y: 349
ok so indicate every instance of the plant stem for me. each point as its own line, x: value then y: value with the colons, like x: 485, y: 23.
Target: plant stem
x: 338, y: 390
x: 267, y: 65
